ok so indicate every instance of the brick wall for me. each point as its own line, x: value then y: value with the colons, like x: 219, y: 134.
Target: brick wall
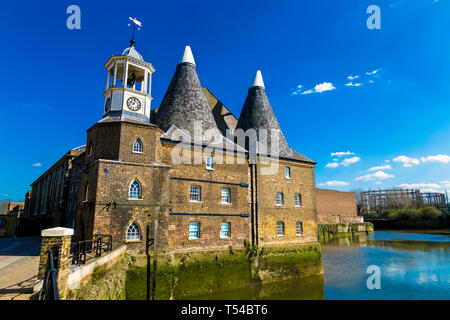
x: 335, y: 203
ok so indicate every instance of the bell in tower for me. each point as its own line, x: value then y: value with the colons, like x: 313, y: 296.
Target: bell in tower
x: 128, y: 85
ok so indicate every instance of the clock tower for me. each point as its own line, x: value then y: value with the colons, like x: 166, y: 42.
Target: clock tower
x: 128, y: 86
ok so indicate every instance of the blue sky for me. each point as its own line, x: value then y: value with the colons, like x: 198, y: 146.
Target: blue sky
x: 54, y: 80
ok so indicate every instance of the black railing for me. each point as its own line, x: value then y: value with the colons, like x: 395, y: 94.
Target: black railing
x: 49, y: 289
x: 84, y: 250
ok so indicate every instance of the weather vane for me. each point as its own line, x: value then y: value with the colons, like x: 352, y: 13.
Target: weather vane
x: 135, y: 23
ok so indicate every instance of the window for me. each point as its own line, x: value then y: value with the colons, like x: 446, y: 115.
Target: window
x: 195, y: 194
x: 225, y: 195
x: 298, y: 200
x: 280, y: 228
x: 279, y: 199
x: 76, y: 187
x: 194, y: 230
x: 74, y: 205
x: 209, y: 163
x: 135, y: 190
x: 71, y: 188
x: 299, y: 229
x: 225, y: 230
x: 133, y: 232
x: 137, y: 146
x: 90, y: 150
x: 288, y: 172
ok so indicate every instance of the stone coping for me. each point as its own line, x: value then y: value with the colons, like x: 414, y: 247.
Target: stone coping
x: 57, y: 232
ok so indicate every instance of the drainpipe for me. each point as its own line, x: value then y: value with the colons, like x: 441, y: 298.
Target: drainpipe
x: 256, y: 204
x: 252, y: 216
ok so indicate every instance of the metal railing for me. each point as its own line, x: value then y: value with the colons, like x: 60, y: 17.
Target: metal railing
x: 82, y: 251
x: 49, y: 289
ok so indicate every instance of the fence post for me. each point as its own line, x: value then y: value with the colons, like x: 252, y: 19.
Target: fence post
x: 51, y: 237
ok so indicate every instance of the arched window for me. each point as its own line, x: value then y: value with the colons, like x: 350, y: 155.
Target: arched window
x: 137, y: 146
x: 280, y: 228
x: 133, y: 232
x: 135, y: 190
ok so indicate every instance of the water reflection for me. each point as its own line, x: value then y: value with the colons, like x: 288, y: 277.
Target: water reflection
x: 414, y: 265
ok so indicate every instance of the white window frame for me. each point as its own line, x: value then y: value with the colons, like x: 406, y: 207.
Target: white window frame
x: 130, y: 191
x: 225, y: 233
x: 281, y: 223
x: 287, y: 172
x: 139, y: 143
x: 209, y: 163
x: 194, y: 230
x: 277, y: 199
x: 299, y: 202
x: 136, y: 235
x: 227, y: 196
x: 194, y: 193
x: 297, y: 233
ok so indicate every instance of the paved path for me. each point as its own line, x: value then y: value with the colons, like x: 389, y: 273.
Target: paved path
x: 19, y: 262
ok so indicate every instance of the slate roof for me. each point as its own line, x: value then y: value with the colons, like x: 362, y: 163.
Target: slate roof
x: 184, y: 102
x: 258, y: 114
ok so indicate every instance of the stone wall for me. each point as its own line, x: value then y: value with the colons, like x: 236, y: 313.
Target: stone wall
x: 329, y: 232
x: 8, y: 226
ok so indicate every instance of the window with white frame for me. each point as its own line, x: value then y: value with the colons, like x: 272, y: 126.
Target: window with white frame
x: 135, y: 191
x: 225, y: 195
x: 298, y: 200
x: 280, y: 228
x: 194, y: 230
x: 209, y: 162
x: 225, y: 230
x: 299, y: 229
x: 137, y: 146
x: 195, y: 194
x: 279, y: 199
x: 133, y: 232
x: 288, y: 172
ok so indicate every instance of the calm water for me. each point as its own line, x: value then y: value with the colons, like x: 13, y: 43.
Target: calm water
x: 414, y: 265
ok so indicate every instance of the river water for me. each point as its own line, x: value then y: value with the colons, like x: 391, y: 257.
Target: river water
x: 413, y: 265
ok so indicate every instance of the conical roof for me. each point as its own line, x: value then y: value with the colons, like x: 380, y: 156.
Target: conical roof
x: 185, y: 102
x: 258, y: 114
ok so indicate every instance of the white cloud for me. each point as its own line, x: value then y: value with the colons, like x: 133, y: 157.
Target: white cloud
x: 297, y: 90
x: 387, y: 161
x: 379, y: 175
x: 319, y: 88
x: 373, y: 72
x: 37, y: 164
x: 332, y: 165
x: 334, y: 183
x: 386, y: 167
x: 445, y: 184
x: 407, y: 161
x: 4, y: 195
x: 341, y: 154
x: 352, y: 77
x: 442, y: 158
x: 351, y: 84
x: 371, y: 81
x: 349, y: 161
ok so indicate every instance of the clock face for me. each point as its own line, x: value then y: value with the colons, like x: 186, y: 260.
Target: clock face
x: 107, y: 104
x: 133, y: 104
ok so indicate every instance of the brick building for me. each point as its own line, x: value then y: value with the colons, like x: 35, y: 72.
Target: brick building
x: 182, y: 171
x: 336, y: 207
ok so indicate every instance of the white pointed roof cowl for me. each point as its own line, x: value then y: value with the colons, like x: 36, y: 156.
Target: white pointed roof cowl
x: 188, y: 57
x: 258, y: 80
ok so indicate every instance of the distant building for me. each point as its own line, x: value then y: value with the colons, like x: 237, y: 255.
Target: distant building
x: 336, y: 207
x: 9, y: 213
